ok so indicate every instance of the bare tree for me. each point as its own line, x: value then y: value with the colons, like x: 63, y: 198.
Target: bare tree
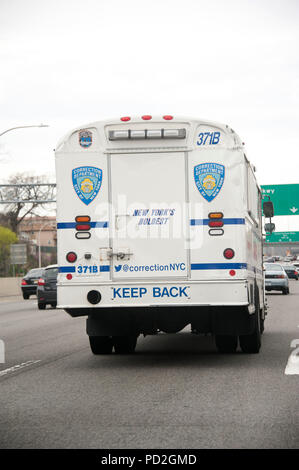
x: 15, y: 212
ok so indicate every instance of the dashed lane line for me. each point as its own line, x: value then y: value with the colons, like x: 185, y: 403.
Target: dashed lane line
x: 18, y: 367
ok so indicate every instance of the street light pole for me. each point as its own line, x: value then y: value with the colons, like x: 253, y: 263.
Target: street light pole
x: 23, y: 127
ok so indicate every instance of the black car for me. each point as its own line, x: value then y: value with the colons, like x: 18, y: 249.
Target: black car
x: 29, y: 282
x: 47, y: 289
x: 291, y: 271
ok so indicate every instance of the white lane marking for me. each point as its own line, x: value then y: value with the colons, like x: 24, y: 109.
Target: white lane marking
x: 17, y: 367
x: 292, y: 367
x: 2, y: 351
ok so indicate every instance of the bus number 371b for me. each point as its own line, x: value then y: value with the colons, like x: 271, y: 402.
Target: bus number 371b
x: 208, y: 138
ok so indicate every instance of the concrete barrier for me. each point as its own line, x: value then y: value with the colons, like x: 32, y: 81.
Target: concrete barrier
x: 10, y: 286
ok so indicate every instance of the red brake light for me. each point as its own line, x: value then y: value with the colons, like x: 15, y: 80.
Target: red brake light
x: 146, y: 117
x: 83, y: 227
x: 71, y: 257
x: 215, y: 223
x: 228, y: 253
x: 125, y: 118
x: 41, y: 282
x: 232, y: 272
x: 23, y: 283
x: 167, y: 117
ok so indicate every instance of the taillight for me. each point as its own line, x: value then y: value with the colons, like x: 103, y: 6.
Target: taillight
x: 215, y: 223
x: 215, y: 219
x: 82, y: 218
x: 41, y: 282
x: 296, y: 273
x: 83, y: 226
x: 228, y: 253
x: 23, y: 283
x: 215, y: 215
x: 71, y: 257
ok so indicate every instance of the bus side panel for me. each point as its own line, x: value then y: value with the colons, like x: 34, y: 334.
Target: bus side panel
x: 91, y: 265
x: 207, y: 246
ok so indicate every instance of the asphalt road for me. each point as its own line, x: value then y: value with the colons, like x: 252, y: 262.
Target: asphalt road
x: 175, y: 392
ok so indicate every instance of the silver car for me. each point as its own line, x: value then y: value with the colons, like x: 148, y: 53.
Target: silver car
x: 276, y: 278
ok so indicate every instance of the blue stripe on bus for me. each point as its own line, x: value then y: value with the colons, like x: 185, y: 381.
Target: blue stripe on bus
x: 73, y: 224
x: 72, y: 269
x: 105, y: 268
x: 233, y: 221
x: 67, y: 269
x: 197, y: 266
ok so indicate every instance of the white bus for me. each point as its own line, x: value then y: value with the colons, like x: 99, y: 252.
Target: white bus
x: 159, y: 227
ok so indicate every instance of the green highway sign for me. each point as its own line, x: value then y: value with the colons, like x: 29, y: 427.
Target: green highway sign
x: 282, y: 237
x: 285, y: 198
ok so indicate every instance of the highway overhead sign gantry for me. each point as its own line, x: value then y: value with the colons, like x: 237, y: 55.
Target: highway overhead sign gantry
x: 285, y: 198
x: 282, y: 237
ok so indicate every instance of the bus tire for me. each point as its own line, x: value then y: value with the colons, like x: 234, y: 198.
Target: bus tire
x: 101, y: 344
x: 226, y: 343
x: 251, y: 344
x: 124, y: 344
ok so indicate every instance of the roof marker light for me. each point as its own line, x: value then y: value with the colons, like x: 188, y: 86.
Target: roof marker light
x: 167, y: 117
x: 125, y: 118
x: 146, y: 117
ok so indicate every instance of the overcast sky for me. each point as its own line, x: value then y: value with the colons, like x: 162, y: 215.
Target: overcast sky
x: 66, y: 63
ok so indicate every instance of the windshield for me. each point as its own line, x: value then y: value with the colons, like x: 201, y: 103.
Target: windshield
x: 35, y: 272
x: 51, y: 273
x: 273, y: 267
x: 289, y: 268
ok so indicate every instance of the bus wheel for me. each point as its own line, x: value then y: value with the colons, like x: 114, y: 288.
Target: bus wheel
x: 226, y: 343
x: 251, y: 344
x: 101, y: 344
x: 124, y: 344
